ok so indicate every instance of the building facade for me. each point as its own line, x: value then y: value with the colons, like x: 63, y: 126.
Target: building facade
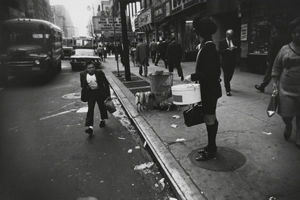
x: 62, y: 19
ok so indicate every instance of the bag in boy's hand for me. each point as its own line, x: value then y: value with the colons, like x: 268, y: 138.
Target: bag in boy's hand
x: 110, y: 107
x: 194, y: 115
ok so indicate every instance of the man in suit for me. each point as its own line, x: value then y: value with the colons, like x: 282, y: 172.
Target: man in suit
x: 142, y: 56
x: 153, y: 50
x: 174, y: 54
x: 162, y: 51
x: 96, y: 88
x: 228, y: 50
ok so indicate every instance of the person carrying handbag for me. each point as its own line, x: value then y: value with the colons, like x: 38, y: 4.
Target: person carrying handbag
x: 286, y: 77
x: 207, y: 73
x: 95, y: 87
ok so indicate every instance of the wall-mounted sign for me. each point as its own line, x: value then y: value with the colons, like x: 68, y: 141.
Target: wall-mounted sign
x: 145, y: 18
x: 244, y: 32
x: 168, y: 11
x: 106, y: 23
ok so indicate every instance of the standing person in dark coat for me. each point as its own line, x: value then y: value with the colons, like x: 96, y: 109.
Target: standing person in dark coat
x: 174, y: 55
x: 142, y: 56
x: 162, y: 51
x: 228, y: 50
x: 153, y: 49
x: 277, y: 41
x: 207, y: 73
x: 96, y: 88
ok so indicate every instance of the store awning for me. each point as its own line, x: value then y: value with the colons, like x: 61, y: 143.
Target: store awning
x: 146, y: 28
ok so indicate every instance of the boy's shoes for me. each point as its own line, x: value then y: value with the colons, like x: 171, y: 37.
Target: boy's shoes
x: 228, y: 94
x: 259, y: 88
x: 102, y: 124
x: 89, y: 131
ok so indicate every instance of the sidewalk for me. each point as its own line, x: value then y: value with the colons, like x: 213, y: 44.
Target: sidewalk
x: 254, y: 161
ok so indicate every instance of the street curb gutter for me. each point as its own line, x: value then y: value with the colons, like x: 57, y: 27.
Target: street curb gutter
x: 181, y: 182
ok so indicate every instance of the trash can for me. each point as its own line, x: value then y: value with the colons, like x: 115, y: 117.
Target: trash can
x: 161, y: 81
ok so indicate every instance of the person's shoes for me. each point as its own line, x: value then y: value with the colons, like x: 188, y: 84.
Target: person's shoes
x: 145, y: 75
x: 140, y: 74
x: 205, y: 149
x: 182, y: 78
x: 228, y: 94
x: 102, y: 124
x: 156, y: 65
x: 206, y: 156
x: 259, y: 88
x: 89, y: 131
x: 287, y: 132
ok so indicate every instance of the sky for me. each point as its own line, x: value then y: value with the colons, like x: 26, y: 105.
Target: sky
x: 79, y: 13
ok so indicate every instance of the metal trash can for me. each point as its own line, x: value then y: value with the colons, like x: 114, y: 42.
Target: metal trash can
x: 161, y: 82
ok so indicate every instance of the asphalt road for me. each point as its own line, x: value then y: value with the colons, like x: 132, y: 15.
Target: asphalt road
x: 45, y: 153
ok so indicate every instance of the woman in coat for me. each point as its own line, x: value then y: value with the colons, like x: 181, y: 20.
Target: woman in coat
x: 286, y: 77
x: 207, y: 73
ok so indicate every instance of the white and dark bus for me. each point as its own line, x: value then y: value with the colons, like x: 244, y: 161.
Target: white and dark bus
x: 29, y: 47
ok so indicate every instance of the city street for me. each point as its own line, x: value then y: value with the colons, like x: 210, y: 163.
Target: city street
x: 45, y: 153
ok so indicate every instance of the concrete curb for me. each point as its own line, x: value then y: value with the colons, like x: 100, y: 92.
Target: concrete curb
x: 180, y: 180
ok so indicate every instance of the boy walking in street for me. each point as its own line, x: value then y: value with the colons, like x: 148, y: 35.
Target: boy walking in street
x: 96, y: 89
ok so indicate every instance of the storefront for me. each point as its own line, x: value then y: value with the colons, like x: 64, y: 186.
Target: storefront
x: 146, y: 25
x: 181, y: 26
x: 161, y: 15
x: 256, y: 29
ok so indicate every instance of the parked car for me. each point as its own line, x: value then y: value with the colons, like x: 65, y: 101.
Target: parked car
x: 67, y: 51
x: 81, y: 56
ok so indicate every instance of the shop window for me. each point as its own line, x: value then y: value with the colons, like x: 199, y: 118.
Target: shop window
x: 260, y: 35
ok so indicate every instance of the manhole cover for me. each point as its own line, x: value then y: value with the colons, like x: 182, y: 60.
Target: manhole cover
x: 226, y: 160
x: 72, y: 96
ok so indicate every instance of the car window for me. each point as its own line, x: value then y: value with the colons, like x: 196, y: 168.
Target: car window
x: 85, y: 52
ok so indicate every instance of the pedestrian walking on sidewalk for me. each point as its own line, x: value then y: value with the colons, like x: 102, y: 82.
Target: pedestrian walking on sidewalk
x: 286, y: 77
x: 162, y: 51
x: 174, y: 55
x: 132, y: 53
x: 228, y: 50
x: 100, y: 52
x: 153, y: 49
x: 96, y: 88
x: 142, y: 56
x: 207, y: 73
x: 279, y: 39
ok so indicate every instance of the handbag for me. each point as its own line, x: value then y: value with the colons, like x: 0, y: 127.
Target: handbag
x: 273, y: 104
x: 193, y: 115
x: 110, y: 107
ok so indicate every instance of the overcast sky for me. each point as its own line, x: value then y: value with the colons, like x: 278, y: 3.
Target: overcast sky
x: 79, y: 13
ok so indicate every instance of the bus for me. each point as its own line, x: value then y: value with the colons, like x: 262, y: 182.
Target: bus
x: 87, y: 42
x: 29, y: 47
x: 68, y: 49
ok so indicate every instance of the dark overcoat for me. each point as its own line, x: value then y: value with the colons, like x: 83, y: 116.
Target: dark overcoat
x: 208, y: 71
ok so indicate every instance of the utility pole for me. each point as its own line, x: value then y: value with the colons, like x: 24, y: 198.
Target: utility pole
x: 125, y: 40
x: 116, y: 52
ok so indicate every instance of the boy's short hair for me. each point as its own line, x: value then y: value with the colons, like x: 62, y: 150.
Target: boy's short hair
x: 87, y: 63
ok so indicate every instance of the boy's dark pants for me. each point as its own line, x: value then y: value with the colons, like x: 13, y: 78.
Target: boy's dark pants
x: 95, y: 96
